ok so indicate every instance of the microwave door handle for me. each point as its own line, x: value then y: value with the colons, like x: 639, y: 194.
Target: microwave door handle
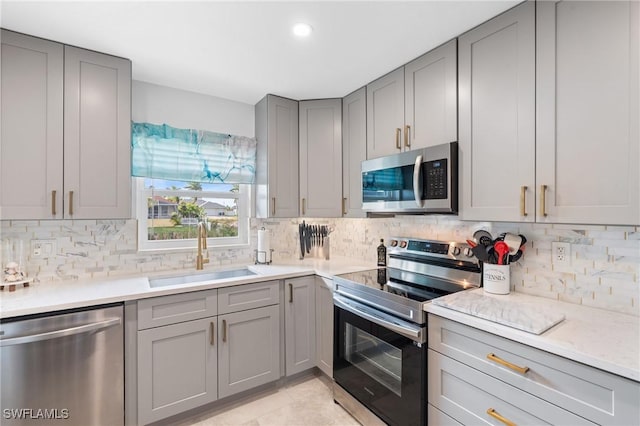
x: 417, y: 181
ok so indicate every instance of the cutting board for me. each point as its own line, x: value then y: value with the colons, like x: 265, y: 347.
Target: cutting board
x: 501, y: 310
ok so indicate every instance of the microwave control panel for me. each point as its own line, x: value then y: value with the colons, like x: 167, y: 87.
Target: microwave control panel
x: 435, y: 179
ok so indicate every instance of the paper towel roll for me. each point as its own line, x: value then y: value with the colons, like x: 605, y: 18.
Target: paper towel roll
x: 264, y: 246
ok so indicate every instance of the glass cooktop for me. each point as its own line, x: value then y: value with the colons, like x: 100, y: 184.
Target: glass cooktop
x: 406, y: 284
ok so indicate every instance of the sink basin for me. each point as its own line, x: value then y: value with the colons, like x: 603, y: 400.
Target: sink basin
x: 200, y: 277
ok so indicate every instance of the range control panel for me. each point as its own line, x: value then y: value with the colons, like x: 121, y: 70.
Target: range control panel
x: 431, y: 248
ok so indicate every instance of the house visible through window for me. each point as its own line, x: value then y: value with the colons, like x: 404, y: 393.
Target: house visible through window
x: 168, y: 213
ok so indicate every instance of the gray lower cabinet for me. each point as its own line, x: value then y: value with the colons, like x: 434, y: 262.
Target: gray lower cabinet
x: 248, y: 349
x: 472, y: 372
x: 300, y: 323
x: 177, y: 369
x: 324, y: 325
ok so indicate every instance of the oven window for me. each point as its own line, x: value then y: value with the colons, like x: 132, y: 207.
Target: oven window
x: 374, y: 357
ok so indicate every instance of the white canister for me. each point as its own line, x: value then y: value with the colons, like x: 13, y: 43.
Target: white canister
x: 496, y: 278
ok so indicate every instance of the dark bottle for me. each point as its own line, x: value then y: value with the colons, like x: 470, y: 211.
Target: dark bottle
x: 382, y: 254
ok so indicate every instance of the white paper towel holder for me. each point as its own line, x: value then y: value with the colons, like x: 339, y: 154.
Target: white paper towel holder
x: 268, y: 255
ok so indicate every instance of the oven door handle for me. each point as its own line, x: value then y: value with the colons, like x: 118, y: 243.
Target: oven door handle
x: 410, y: 331
x: 417, y: 181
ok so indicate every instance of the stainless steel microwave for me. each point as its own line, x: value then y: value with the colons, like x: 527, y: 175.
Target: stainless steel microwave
x: 421, y: 181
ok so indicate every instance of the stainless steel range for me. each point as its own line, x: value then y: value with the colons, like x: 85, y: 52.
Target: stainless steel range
x: 380, y: 328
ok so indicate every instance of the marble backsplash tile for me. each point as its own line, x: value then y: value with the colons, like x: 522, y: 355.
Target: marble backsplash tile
x: 604, y: 270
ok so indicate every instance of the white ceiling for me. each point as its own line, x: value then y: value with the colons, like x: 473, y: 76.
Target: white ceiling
x: 242, y: 50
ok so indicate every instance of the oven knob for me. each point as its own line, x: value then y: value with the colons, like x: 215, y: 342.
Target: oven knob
x: 468, y: 252
x: 403, y: 244
x: 455, y: 251
x: 394, y: 243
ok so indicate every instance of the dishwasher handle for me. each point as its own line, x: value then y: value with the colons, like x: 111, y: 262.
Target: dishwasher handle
x: 56, y: 334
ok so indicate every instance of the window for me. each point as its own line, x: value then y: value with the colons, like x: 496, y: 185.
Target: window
x: 168, y: 213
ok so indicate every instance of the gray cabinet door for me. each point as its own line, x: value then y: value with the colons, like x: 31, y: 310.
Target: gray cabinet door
x: 588, y: 133
x: 385, y: 114
x: 497, y: 117
x: 324, y: 325
x: 321, y: 158
x: 300, y: 324
x: 177, y: 366
x: 32, y: 133
x: 354, y: 151
x: 277, y: 177
x: 431, y: 98
x: 248, y: 349
x: 97, y: 135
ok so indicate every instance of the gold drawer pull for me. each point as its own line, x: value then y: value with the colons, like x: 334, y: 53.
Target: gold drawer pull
x: 494, y: 358
x: 543, y: 200
x: 290, y: 293
x: 53, y: 202
x: 70, y: 203
x: 224, y: 331
x: 493, y: 413
x: 398, y: 137
x: 523, y: 193
x: 304, y: 201
x: 344, y: 206
x: 212, y: 335
x: 407, y: 134
x: 273, y: 206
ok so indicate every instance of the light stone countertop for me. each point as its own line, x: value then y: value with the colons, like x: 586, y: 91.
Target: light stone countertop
x: 56, y: 296
x: 602, y: 339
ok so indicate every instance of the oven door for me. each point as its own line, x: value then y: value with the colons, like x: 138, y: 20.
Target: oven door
x: 381, y: 366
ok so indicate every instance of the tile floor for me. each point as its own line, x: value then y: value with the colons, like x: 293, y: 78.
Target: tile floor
x: 306, y: 401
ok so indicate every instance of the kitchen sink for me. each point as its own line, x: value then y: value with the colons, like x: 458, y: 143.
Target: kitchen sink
x: 200, y: 277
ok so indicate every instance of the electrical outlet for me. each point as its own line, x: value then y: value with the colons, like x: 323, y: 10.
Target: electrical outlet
x: 560, y: 253
x: 43, y: 249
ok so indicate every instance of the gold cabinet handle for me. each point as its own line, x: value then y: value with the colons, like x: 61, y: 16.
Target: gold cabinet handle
x: 494, y: 358
x: 53, y: 202
x: 543, y: 199
x: 212, y: 336
x: 290, y: 293
x: 273, y: 206
x: 523, y: 198
x: 398, y: 136
x: 224, y: 330
x: 407, y: 134
x: 303, y: 205
x: 493, y: 413
x: 344, y: 206
x: 70, y: 203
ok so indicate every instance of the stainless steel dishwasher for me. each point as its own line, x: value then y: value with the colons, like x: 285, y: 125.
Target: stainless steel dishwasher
x: 65, y: 368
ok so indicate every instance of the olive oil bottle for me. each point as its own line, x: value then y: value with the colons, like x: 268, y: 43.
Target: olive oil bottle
x: 382, y: 254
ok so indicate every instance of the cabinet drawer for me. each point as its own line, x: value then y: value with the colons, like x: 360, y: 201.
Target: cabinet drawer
x: 437, y: 417
x: 466, y: 395
x: 176, y: 308
x: 596, y: 395
x: 247, y: 296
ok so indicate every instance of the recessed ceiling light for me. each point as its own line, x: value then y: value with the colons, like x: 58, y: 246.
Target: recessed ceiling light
x: 302, y: 30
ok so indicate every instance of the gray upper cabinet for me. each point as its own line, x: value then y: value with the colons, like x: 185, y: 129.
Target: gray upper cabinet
x: 496, y: 63
x: 300, y: 320
x: 321, y: 158
x: 430, y: 98
x: 249, y: 349
x: 177, y: 369
x: 32, y: 130
x: 97, y: 135
x: 354, y: 151
x: 277, y: 177
x: 66, y: 111
x: 385, y: 114
x: 588, y: 135
x: 414, y: 106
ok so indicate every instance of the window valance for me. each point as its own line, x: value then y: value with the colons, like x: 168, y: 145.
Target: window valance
x: 164, y: 152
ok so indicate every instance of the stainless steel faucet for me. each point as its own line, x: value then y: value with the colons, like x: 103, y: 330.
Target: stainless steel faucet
x: 202, y: 245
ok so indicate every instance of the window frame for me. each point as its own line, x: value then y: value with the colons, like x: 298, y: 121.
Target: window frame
x: 141, y: 194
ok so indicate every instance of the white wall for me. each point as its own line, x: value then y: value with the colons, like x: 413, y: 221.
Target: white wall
x: 178, y: 108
